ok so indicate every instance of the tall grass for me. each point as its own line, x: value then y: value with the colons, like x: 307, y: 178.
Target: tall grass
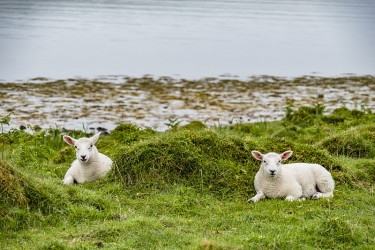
x: 187, y: 187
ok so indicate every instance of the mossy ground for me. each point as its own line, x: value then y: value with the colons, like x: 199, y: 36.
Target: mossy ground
x: 187, y: 188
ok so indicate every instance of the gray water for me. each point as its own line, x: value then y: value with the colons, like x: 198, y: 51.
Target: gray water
x: 191, y: 38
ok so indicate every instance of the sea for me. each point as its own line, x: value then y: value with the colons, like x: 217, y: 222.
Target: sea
x: 185, y: 38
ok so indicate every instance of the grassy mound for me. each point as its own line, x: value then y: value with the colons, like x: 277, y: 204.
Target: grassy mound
x: 358, y: 142
x: 11, y: 185
x: 344, y: 114
x: 203, y: 159
x: 27, y: 200
x: 24, y: 191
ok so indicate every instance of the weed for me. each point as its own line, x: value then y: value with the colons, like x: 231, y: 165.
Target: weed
x: 4, y: 121
x: 173, y: 123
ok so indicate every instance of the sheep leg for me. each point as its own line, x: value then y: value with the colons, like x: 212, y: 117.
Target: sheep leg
x: 319, y: 195
x: 325, y: 183
x: 257, y: 197
x: 292, y: 198
x: 68, y: 180
x: 294, y: 193
x: 325, y: 186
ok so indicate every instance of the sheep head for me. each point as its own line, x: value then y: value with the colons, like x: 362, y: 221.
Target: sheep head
x: 84, y: 146
x: 271, y: 162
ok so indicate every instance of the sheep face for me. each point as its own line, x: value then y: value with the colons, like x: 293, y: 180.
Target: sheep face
x: 84, y: 146
x: 83, y: 149
x: 271, y: 162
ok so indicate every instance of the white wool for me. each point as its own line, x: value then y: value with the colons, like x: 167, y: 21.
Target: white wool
x: 296, y: 181
x: 90, y: 164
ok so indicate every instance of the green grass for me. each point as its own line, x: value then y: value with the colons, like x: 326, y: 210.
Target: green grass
x: 187, y: 188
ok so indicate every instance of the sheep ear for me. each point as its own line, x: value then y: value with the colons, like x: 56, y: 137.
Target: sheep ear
x: 69, y: 140
x: 95, y: 138
x: 258, y: 155
x: 286, y: 155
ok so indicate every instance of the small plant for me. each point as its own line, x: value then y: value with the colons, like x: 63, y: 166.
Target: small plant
x: 172, y: 123
x: 289, y: 111
x: 4, y: 121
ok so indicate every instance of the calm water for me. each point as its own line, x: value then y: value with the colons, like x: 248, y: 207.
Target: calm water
x: 191, y: 38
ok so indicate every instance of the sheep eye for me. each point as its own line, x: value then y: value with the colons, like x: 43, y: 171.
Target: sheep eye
x: 90, y: 146
x: 75, y: 147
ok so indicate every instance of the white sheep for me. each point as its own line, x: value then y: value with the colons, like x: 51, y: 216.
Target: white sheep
x: 90, y: 164
x: 296, y: 181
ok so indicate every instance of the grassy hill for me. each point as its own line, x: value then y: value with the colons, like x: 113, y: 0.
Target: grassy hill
x: 188, y: 187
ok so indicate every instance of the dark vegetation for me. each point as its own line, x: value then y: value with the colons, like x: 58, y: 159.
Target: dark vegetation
x: 187, y: 187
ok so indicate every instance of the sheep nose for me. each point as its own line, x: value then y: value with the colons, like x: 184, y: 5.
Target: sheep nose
x: 83, y: 157
x: 272, y: 172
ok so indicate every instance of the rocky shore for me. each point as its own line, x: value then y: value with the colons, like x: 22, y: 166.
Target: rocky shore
x: 149, y: 102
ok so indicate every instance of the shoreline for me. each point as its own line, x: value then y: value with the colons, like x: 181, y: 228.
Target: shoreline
x: 150, y: 102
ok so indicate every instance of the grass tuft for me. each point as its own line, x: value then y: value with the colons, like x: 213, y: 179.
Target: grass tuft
x: 357, y: 142
x: 11, y: 185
